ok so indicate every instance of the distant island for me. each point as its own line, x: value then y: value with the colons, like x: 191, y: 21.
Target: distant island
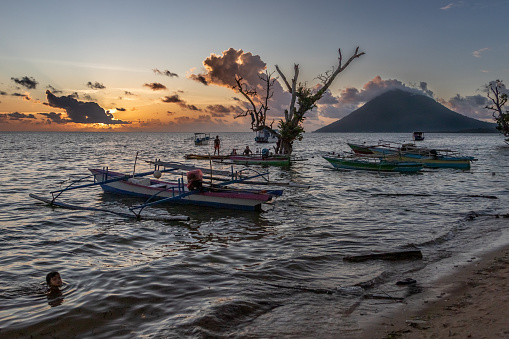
x: 399, y: 111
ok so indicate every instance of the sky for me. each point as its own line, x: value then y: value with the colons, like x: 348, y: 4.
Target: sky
x: 168, y: 66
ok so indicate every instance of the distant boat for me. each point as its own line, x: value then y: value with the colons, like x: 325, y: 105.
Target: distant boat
x: 265, y: 136
x: 201, y: 139
x: 372, y: 164
x: 418, y: 136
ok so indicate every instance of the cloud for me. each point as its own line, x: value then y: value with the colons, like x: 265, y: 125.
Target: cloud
x: 223, y: 111
x: 53, y: 89
x: 477, y: 54
x: 18, y: 116
x: 220, y: 70
x: 172, y: 99
x: 199, y: 78
x: 175, y: 99
x: 95, y: 85
x: 55, y: 117
x: 82, y: 112
x: 27, y: 82
x: 452, y: 5
x: 165, y: 72
x: 120, y: 109
x: 351, y: 98
x: 128, y: 93
x: 3, y: 93
x: 25, y: 96
x: 155, y: 86
x: 472, y: 106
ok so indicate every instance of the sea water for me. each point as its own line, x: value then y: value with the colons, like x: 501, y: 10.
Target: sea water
x: 275, y: 273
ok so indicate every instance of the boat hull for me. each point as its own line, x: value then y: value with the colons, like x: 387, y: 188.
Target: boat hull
x: 146, y: 188
x: 375, y: 166
x: 429, y: 161
x: 277, y: 160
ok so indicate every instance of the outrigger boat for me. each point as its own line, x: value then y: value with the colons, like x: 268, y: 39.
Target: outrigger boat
x: 429, y: 157
x: 189, y: 188
x: 374, y: 164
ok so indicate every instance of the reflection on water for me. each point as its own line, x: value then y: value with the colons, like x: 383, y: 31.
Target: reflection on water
x: 227, y: 273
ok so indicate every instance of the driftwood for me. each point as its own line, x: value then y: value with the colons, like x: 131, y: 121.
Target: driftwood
x: 382, y: 296
x: 403, y: 255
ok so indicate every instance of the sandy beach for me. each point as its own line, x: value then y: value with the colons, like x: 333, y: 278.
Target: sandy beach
x: 471, y: 302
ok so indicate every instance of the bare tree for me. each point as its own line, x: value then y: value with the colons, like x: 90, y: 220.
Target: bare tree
x: 303, y: 100
x: 291, y: 128
x: 497, y: 93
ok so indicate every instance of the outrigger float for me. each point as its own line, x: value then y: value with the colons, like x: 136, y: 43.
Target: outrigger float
x: 191, y: 187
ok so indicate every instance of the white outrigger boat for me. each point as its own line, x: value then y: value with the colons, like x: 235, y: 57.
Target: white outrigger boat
x: 190, y: 187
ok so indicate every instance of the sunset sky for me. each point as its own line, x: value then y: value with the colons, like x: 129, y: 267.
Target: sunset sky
x: 167, y: 65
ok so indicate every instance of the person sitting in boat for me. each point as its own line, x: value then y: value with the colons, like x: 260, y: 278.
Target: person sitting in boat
x: 217, y: 142
x: 265, y: 153
x: 195, y: 180
x: 234, y: 152
x: 247, y: 151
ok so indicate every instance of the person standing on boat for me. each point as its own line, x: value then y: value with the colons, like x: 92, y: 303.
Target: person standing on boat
x: 217, y: 143
x: 247, y: 151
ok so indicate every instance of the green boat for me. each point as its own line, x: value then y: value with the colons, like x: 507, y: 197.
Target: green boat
x: 373, y: 164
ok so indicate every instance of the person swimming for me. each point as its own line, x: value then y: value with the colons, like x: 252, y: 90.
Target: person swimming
x: 53, y: 280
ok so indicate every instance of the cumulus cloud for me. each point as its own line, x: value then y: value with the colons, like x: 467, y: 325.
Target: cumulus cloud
x: 3, y: 93
x: 27, y: 82
x: 82, y: 112
x: 472, y: 106
x: 165, y: 73
x: 95, y: 85
x: 155, y: 86
x: 221, y: 69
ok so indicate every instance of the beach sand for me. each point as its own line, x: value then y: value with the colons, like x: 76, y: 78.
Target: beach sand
x: 471, y: 302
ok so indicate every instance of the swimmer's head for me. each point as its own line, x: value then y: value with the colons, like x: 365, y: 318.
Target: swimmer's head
x: 53, y: 279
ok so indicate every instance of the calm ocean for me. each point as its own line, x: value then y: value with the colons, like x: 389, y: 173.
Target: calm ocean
x: 275, y: 273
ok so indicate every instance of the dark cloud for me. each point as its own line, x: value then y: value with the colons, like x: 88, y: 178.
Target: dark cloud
x: 82, y: 112
x: 27, y: 82
x: 223, y: 111
x: 55, y: 117
x: 172, y: 99
x: 53, y: 89
x: 128, y: 93
x: 165, y: 72
x: 199, y: 78
x: 17, y: 116
x: 95, y: 85
x: 155, y: 86
x: 222, y: 69
x: 175, y: 99
x: 120, y: 109
x: 3, y: 93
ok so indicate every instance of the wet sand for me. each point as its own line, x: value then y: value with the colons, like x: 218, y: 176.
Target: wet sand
x: 471, y: 302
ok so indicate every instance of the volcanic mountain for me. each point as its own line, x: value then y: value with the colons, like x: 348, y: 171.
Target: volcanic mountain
x: 398, y: 111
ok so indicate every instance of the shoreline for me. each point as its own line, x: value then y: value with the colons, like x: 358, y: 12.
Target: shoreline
x: 470, y: 302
